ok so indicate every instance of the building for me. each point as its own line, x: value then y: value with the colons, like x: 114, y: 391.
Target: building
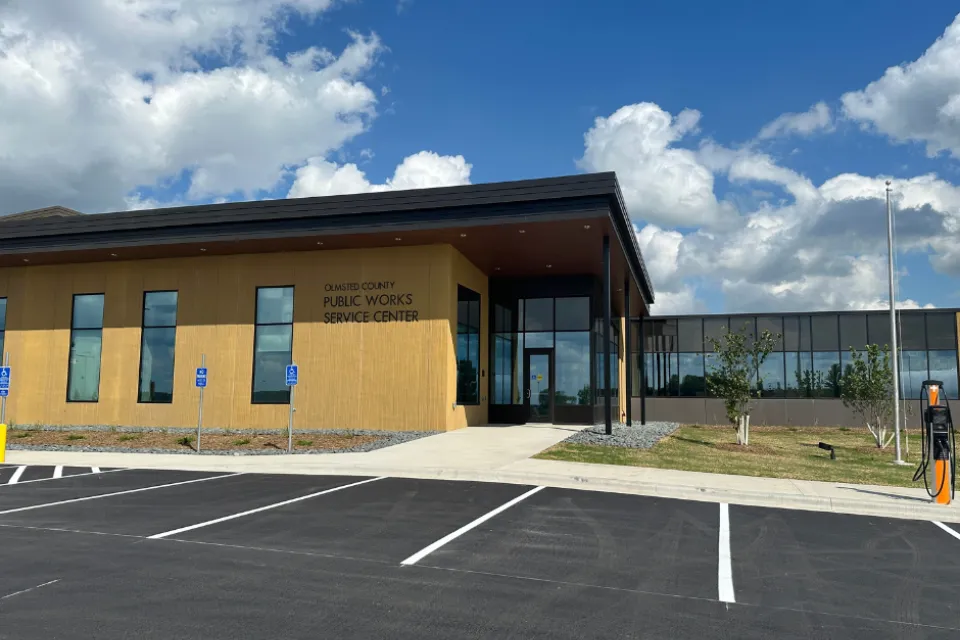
x: 415, y: 310
x: 802, y: 378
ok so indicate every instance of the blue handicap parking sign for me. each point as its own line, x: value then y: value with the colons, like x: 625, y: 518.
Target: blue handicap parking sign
x: 4, y: 393
x: 201, y: 377
x: 4, y: 378
x: 292, y: 375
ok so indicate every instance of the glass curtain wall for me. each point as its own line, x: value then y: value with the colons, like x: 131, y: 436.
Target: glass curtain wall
x: 810, y: 359
x: 561, y: 324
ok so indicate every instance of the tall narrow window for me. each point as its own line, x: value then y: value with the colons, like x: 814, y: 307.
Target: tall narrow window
x: 86, y: 338
x: 157, y: 343
x: 468, y: 346
x: 3, y: 326
x: 272, y: 345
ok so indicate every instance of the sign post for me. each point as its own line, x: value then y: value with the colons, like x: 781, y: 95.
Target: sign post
x: 4, y: 392
x: 4, y: 387
x: 201, y: 384
x: 292, y: 376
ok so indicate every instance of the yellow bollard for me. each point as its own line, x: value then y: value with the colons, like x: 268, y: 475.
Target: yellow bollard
x: 3, y: 443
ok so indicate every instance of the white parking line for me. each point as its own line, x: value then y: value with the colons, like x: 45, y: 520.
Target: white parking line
x: 947, y: 529
x: 15, y: 478
x: 115, y: 493
x: 423, y: 553
x: 167, y: 534
x: 17, y: 593
x: 58, y: 471
x: 76, y: 475
x: 725, y: 563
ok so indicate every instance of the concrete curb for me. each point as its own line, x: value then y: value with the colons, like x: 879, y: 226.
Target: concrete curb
x: 905, y: 507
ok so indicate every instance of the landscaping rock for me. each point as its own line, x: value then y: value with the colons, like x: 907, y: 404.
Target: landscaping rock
x: 369, y: 440
x: 635, y: 437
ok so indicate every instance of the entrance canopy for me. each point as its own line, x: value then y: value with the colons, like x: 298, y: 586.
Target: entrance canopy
x: 553, y: 226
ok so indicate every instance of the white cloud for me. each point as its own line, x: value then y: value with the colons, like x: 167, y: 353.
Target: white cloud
x: 661, y: 183
x: 817, y: 118
x: 99, y: 98
x: 789, y: 245
x: 422, y: 170
x: 917, y: 101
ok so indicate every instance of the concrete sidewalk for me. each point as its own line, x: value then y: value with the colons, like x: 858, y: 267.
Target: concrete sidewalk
x: 502, y: 454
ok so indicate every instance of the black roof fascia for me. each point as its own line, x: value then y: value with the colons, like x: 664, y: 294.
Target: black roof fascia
x: 328, y: 225
x: 547, y: 198
x: 789, y: 314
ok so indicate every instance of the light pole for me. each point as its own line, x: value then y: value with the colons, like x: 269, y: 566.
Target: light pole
x: 894, y: 349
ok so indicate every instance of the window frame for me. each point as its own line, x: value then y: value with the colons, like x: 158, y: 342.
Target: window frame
x: 256, y: 325
x: 73, y: 309
x: 143, y: 327
x: 3, y: 329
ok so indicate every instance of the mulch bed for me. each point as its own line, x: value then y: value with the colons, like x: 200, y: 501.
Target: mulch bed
x: 177, y: 442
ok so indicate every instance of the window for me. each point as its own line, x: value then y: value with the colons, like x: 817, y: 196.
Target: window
x: 941, y: 331
x: 573, y: 314
x: 662, y: 374
x: 3, y: 326
x: 878, y: 329
x: 773, y: 324
x: 503, y: 320
x: 690, y: 334
x: 505, y: 355
x: 272, y: 345
x: 692, y: 381
x: 804, y: 324
x: 661, y: 335
x: 824, y: 332
x: 913, y: 371
x: 771, y: 376
x: 157, y: 344
x: 573, y: 367
x: 711, y: 362
x: 799, y: 374
x: 86, y: 338
x: 538, y: 314
x: 713, y: 328
x: 827, y: 374
x: 853, y: 332
x: 913, y: 332
x: 468, y: 345
x: 745, y: 325
x: 943, y: 367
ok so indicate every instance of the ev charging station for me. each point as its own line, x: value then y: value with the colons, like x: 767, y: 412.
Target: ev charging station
x: 938, y: 444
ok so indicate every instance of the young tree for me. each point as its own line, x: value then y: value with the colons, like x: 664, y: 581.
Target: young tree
x: 868, y: 391
x: 738, y: 362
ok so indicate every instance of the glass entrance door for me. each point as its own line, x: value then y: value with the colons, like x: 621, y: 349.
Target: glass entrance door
x: 538, y: 384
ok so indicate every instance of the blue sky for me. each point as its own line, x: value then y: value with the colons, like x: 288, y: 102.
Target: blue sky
x: 430, y: 92
x: 513, y: 85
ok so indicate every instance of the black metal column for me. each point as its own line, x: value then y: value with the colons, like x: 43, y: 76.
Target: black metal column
x: 643, y: 372
x: 607, y: 321
x: 627, y: 351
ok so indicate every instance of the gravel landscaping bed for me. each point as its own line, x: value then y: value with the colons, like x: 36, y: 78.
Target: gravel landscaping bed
x: 635, y: 437
x: 213, y: 441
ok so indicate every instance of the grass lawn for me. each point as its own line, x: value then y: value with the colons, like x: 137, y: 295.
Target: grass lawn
x: 774, y: 452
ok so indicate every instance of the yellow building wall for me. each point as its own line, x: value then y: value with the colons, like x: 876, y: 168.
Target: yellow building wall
x: 463, y: 272
x: 365, y: 375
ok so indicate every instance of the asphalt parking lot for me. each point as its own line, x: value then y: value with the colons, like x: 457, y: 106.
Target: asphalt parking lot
x: 119, y: 553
